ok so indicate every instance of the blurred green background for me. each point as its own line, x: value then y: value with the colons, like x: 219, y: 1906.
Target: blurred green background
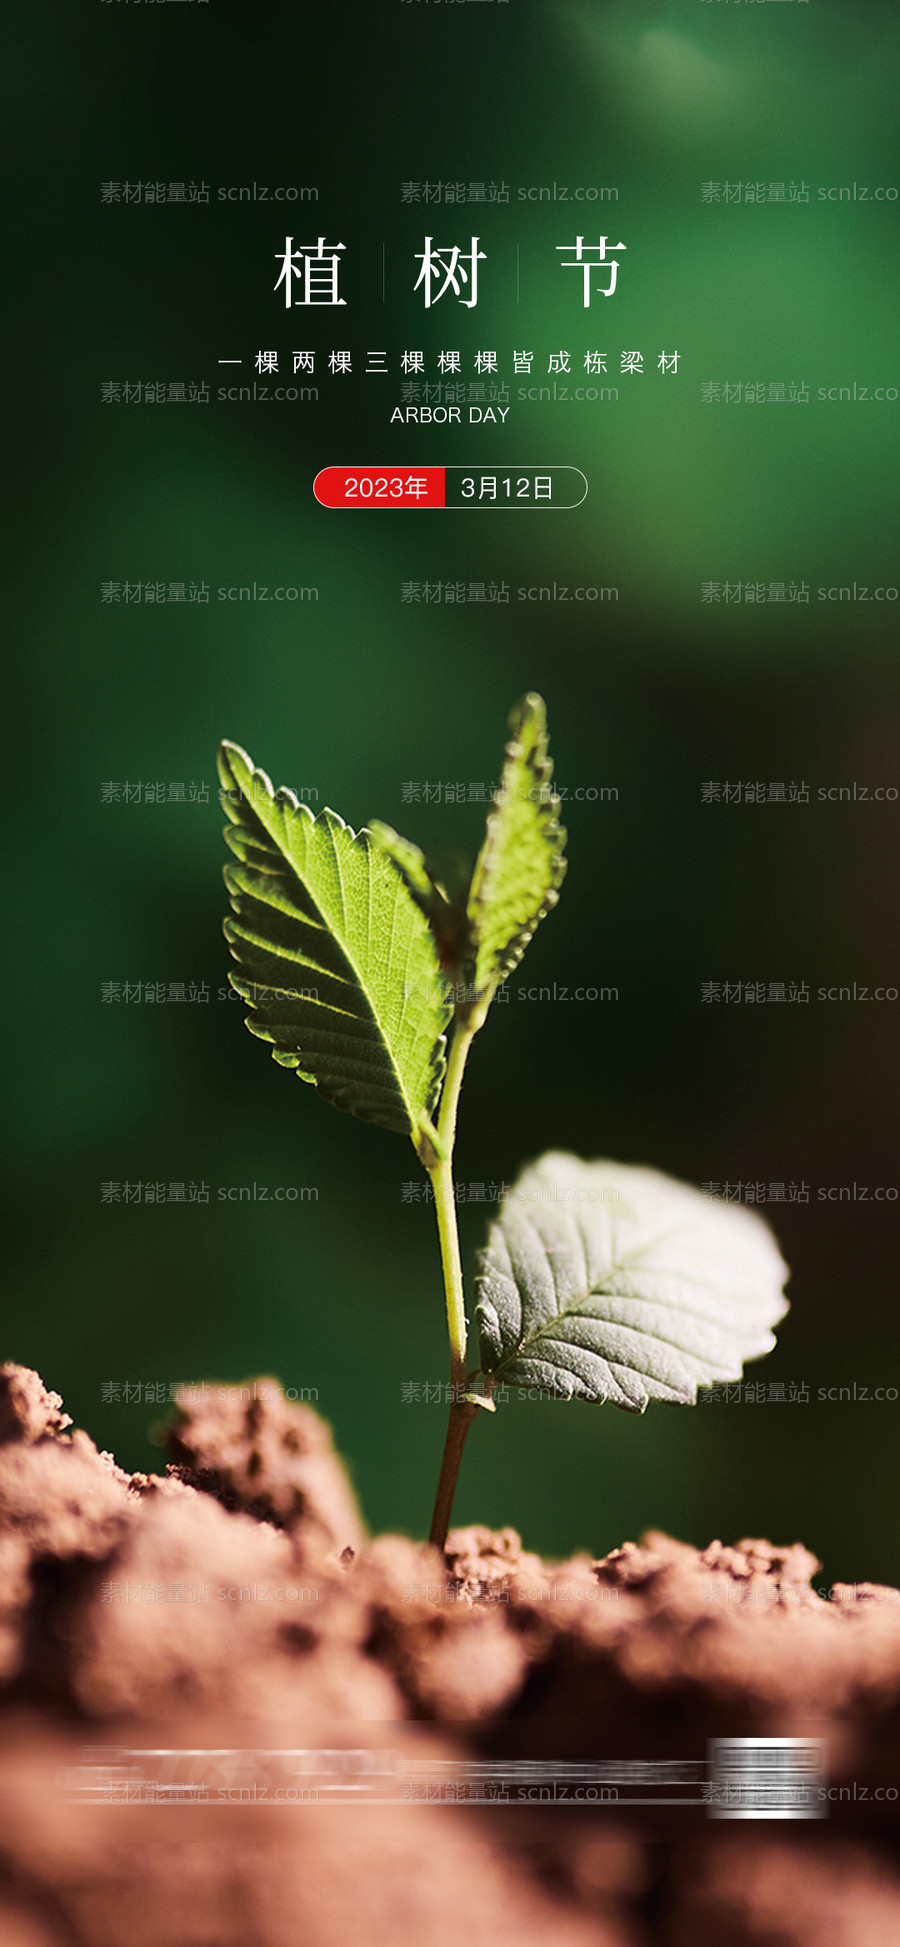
x: 355, y: 695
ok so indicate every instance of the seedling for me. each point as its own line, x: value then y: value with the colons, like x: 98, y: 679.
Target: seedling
x: 371, y: 977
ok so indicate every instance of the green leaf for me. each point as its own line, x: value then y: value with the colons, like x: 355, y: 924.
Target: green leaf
x: 520, y: 867
x: 418, y: 875
x: 601, y: 1281
x: 335, y: 959
x: 445, y: 912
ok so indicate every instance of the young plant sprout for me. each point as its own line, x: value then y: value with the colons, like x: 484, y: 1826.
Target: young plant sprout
x: 599, y: 1281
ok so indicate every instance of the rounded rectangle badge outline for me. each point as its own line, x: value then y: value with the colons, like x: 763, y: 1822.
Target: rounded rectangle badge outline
x: 434, y: 478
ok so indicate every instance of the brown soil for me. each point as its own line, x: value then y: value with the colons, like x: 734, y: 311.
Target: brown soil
x: 235, y: 1601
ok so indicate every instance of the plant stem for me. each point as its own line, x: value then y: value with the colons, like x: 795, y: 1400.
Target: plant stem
x: 445, y: 1203
x: 461, y: 1413
x: 461, y: 1417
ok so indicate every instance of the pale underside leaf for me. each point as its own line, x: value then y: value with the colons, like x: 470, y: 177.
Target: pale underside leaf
x: 601, y: 1281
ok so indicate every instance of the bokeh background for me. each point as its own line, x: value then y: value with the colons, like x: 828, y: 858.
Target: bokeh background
x: 357, y: 694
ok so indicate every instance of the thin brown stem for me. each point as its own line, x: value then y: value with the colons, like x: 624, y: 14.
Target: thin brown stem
x: 462, y: 1413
